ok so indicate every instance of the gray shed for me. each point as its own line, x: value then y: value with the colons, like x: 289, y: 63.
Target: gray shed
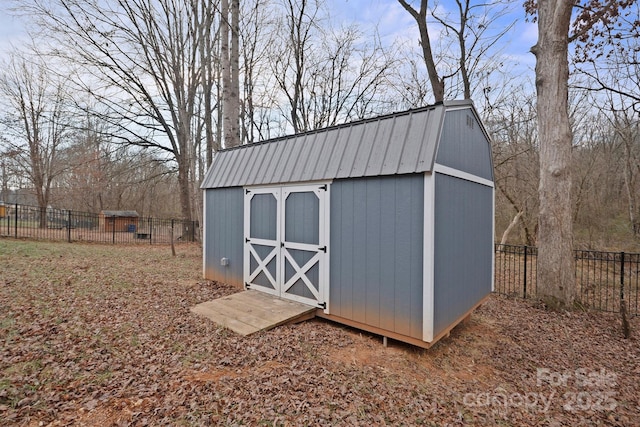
x: 384, y: 224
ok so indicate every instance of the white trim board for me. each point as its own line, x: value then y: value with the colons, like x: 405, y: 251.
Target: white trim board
x: 321, y: 182
x: 204, y: 234
x: 446, y: 170
x: 428, y: 260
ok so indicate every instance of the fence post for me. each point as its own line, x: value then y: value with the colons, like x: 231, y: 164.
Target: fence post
x: 113, y: 229
x: 525, y: 272
x: 621, y: 278
x: 15, y: 225
x: 150, y: 230
x: 69, y: 226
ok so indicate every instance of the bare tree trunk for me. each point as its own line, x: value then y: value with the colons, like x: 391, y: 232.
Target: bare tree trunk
x: 463, y: 8
x: 207, y: 53
x: 234, y: 60
x: 631, y: 197
x: 512, y: 224
x: 627, y: 172
x: 184, y: 188
x: 556, y: 282
x: 230, y: 89
x: 437, y: 84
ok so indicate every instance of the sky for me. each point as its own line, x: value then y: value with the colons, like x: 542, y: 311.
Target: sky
x: 394, y: 22
x: 391, y: 20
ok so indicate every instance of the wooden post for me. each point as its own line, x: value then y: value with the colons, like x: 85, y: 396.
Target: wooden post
x: 173, y: 248
x: 69, y: 226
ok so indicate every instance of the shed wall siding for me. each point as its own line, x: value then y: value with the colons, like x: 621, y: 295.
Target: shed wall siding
x: 463, y: 246
x: 224, y: 235
x: 464, y: 146
x: 377, y: 251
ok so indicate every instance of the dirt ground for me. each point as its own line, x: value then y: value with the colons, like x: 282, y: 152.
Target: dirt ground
x: 98, y: 335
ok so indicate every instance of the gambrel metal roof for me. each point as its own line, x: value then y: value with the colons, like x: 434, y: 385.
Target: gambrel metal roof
x: 398, y: 143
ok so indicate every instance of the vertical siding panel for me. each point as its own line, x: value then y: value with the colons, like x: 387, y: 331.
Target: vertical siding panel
x: 235, y: 237
x: 359, y: 241
x: 464, y: 145
x: 389, y: 245
x: 417, y: 249
x: 335, y: 253
x: 224, y: 235
x: 371, y: 246
x: 402, y: 276
x: 463, y: 231
x: 348, y: 263
x: 376, y: 251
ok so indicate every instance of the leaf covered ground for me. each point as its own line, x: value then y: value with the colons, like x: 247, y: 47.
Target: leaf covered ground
x: 102, y: 335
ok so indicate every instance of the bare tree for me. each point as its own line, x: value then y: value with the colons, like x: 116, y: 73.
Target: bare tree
x: 471, y: 34
x: 229, y: 50
x: 556, y: 282
x: 140, y: 60
x: 209, y: 50
x: 624, y: 129
x: 289, y: 63
x: 258, y: 85
x: 327, y: 75
x: 420, y: 16
x: 37, y: 123
x: 511, y: 122
x: 609, y: 61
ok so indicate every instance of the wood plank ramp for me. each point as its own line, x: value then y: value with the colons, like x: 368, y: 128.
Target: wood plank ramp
x: 248, y: 312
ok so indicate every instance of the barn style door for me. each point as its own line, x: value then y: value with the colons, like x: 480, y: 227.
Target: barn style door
x: 286, y: 251
x: 262, y: 241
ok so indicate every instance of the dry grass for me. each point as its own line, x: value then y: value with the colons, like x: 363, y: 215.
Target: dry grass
x: 102, y: 335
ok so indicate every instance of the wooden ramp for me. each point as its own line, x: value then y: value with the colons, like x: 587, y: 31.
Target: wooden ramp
x: 248, y: 312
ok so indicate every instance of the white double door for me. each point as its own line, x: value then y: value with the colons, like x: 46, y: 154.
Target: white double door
x: 286, y: 242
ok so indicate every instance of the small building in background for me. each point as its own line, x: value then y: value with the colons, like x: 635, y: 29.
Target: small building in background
x: 118, y: 221
x: 384, y: 224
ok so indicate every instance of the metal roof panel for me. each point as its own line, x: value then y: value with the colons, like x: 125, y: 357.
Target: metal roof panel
x: 398, y: 143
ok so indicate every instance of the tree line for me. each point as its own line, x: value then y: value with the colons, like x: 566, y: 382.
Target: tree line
x: 123, y: 104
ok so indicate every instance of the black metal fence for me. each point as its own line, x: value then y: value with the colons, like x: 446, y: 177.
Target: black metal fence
x: 604, y: 279
x: 21, y: 221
